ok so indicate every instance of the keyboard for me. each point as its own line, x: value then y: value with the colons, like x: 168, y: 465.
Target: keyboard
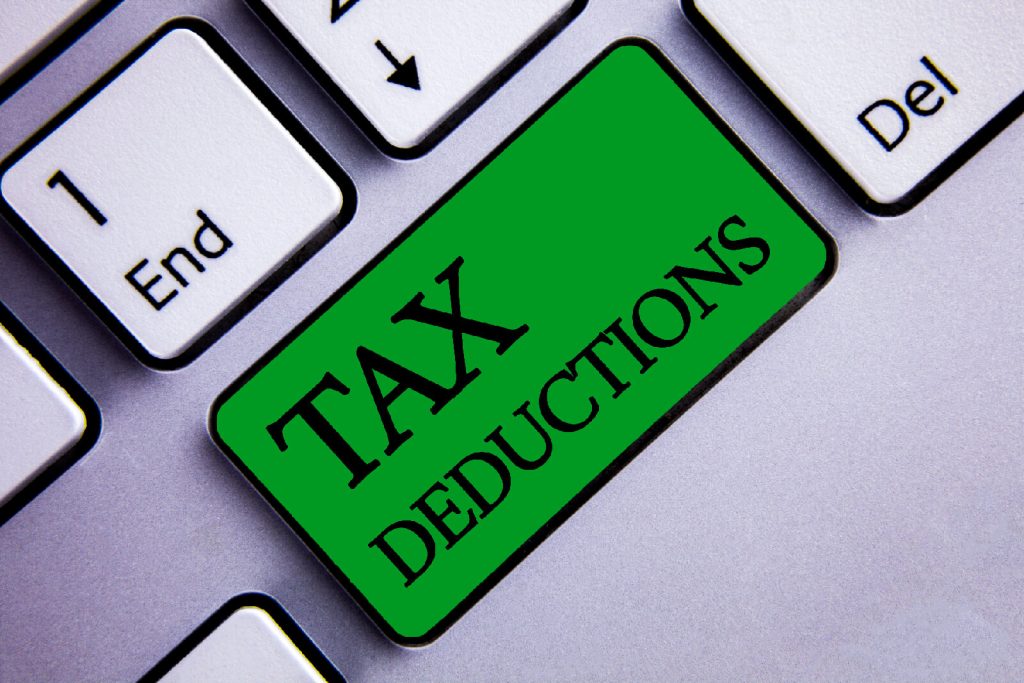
x: 575, y: 341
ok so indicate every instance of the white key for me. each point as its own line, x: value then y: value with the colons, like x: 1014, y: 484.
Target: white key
x: 891, y: 90
x: 172, y: 194
x: 28, y: 26
x: 408, y: 66
x: 39, y: 422
x: 248, y: 647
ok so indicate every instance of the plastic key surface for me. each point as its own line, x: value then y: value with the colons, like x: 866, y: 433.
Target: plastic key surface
x: 409, y: 67
x: 28, y: 26
x: 251, y: 639
x: 170, y: 194
x: 39, y: 421
x: 895, y: 95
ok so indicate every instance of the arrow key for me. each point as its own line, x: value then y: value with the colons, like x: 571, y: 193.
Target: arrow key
x: 406, y: 73
x: 411, y: 68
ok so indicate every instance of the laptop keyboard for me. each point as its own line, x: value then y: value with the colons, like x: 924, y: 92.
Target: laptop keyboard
x: 177, y: 193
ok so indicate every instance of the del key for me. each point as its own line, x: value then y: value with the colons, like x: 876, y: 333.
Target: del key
x: 892, y: 96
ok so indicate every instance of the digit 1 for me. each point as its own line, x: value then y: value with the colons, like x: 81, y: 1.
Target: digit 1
x: 60, y: 179
x: 339, y: 7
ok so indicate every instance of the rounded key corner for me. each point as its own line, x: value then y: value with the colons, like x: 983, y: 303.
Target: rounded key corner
x: 186, y: 23
x: 883, y: 209
x: 169, y: 363
x: 651, y: 49
x: 917, y: 194
x: 265, y: 604
x: 690, y: 9
x: 92, y: 422
x: 830, y: 265
x: 213, y: 415
x: 5, y: 166
x: 861, y: 195
x: 417, y: 640
x: 258, y: 600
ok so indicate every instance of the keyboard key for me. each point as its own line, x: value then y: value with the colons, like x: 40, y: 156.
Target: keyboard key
x: 897, y: 94
x: 894, y: 97
x: 438, y: 416
x: 39, y: 420
x: 28, y: 26
x: 170, y: 194
x: 411, y: 67
x: 249, y: 640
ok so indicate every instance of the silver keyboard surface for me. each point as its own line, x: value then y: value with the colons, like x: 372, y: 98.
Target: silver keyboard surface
x: 845, y: 505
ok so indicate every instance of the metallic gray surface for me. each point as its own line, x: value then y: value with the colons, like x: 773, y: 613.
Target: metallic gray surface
x: 845, y: 505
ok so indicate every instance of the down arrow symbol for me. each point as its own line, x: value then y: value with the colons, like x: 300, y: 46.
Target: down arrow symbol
x: 405, y: 74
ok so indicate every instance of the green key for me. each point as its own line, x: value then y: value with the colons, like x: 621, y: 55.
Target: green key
x: 445, y: 410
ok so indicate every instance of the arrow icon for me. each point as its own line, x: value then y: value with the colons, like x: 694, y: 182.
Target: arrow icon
x: 405, y: 74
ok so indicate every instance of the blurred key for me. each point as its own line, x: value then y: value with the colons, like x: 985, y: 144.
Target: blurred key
x: 39, y: 421
x: 251, y: 639
x: 28, y: 26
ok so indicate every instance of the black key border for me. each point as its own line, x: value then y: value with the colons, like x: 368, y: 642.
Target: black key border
x: 261, y: 601
x: 62, y: 377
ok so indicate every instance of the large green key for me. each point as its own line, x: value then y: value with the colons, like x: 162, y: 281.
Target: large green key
x: 444, y: 411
